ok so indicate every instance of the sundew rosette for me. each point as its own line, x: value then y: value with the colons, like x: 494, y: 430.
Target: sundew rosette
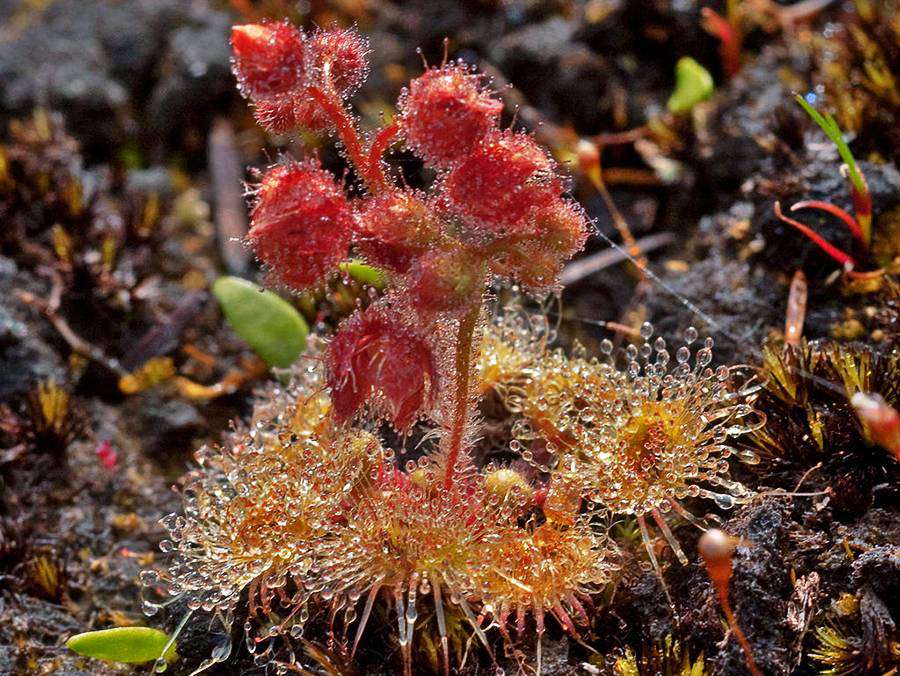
x: 642, y: 434
x: 255, y: 520
x: 511, y: 343
x: 550, y: 566
x: 416, y: 545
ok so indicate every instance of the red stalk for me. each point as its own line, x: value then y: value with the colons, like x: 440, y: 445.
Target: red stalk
x: 465, y: 342
x: 841, y: 257
x: 382, y: 141
x: 848, y: 220
x: 862, y: 205
x: 730, y: 37
x: 371, y: 174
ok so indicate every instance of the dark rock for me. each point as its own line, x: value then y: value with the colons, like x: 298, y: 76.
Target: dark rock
x: 760, y: 589
x: 25, y: 354
x: 97, y: 61
x: 196, y: 67
x: 879, y: 570
x: 165, y: 426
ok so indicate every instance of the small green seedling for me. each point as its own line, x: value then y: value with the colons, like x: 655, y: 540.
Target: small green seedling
x: 859, y: 189
x: 693, y: 84
x: 364, y: 274
x: 271, y: 325
x: 131, y: 645
x: 860, y: 222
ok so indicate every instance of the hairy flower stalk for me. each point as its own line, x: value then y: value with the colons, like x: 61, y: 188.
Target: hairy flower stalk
x: 465, y: 344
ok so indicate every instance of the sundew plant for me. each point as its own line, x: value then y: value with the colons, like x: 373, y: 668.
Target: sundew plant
x: 311, y: 518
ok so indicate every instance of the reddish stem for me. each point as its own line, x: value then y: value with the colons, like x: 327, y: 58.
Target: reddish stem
x: 372, y: 175
x: 620, y: 137
x: 382, y: 141
x: 862, y: 205
x: 722, y: 593
x: 465, y: 342
x: 848, y: 220
x: 841, y: 257
x: 730, y: 37
x: 796, y: 309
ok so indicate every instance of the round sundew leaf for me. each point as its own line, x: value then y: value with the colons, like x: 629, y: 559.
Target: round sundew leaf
x: 693, y: 84
x: 364, y: 274
x: 131, y: 645
x: 271, y: 325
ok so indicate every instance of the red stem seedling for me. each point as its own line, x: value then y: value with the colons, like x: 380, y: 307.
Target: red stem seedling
x: 717, y: 549
x: 844, y: 259
x: 859, y: 188
x: 859, y: 224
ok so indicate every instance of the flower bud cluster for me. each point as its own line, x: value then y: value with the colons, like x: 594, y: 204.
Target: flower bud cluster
x: 496, y: 210
x: 276, y: 63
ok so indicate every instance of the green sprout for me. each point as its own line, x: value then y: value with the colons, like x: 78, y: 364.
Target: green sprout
x: 131, y: 645
x: 693, y: 84
x: 364, y: 274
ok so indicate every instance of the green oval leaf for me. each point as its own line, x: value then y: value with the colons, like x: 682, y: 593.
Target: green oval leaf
x: 693, y: 84
x: 131, y: 645
x: 271, y: 325
x: 364, y: 274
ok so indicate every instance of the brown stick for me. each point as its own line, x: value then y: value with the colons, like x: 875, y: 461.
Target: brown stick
x: 230, y: 210
x: 589, y: 265
x: 796, y: 309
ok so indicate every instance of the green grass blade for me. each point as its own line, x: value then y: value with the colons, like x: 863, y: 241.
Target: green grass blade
x: 830, y: 126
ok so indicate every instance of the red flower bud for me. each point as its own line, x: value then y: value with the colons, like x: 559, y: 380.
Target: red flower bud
x: 344, y: 53
x: 376, y: 352
x: 268, y: 59
x: 502, y: 183
x: 300, y: 223
x: 445, y: 112
x: 446, y: 281
x: 394, y: 227
x: 276, y: 115
x: 535, y: 262
x: 562, y: 227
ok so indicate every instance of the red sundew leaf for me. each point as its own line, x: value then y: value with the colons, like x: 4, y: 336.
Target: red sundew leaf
x: 446, y: 281
x: 276, y: 115
x: 376, y: 352
x: 848, y: 220
x: 502, y: 183
x: 344, y: 53
x: 268, y: 59
x: 535, y: 262
x: 840, y: 256
x: 394, y: 227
